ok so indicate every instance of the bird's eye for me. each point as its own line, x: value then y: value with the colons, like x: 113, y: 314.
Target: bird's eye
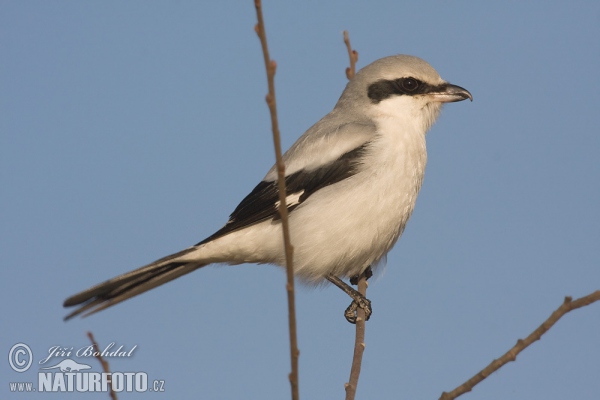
x: 409, y: 84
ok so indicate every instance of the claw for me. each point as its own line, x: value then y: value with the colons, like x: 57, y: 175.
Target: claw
x: 351, y: 314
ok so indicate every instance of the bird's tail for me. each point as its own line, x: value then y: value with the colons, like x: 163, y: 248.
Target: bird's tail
x: 131, y: 284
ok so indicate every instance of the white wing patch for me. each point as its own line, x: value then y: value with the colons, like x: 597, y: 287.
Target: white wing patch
x: 290, y: 200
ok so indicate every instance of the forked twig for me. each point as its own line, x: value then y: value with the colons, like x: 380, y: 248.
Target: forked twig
x: 103, y: 362
x: 271, y: 66
x: 352, y: 55
x: 522, y: 344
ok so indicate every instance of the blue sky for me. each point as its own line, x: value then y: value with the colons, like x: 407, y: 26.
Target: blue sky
x: 132, y: 129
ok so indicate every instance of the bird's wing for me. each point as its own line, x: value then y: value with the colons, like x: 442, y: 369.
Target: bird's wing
x: 323, y: 161
x: 323, y: 143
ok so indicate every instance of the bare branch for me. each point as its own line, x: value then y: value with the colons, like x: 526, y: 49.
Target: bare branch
x: 359, y: 341
x: 352, y: 55
x: 103, y: 362
x: 522, y: 344
x: 271, y: 66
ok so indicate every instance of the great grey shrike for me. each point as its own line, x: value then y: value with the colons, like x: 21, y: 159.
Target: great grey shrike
x: 352, y: 182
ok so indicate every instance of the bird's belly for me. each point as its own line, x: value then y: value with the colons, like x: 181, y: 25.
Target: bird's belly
x: 354, y: 229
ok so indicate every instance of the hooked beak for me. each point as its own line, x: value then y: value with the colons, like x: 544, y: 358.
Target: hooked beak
x: 448, y: 93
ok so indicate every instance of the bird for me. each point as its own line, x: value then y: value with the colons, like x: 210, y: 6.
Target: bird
x: 352, y: 181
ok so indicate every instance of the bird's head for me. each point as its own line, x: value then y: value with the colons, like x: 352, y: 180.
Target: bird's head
x: 403, y: 87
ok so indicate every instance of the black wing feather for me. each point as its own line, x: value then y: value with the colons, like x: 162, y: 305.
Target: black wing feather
x: 260, y: 204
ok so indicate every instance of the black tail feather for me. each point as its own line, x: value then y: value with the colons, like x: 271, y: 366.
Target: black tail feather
x: 131, y: 284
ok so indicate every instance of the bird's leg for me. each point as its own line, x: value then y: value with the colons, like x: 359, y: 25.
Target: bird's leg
x: 358, y: 300
x: 350, y: 312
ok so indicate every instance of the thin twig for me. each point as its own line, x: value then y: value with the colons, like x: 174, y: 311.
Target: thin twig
x: 522, y: 344
x: 359, y: 341
x: 103, y: 362
x: 271, y: 66
x: 352, y: 55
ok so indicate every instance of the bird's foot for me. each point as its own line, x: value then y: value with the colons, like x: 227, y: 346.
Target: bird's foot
x: 358, y: 300
x: 351, y: 312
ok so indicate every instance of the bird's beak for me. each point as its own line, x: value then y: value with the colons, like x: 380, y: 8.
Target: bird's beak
x: 449, y: 93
